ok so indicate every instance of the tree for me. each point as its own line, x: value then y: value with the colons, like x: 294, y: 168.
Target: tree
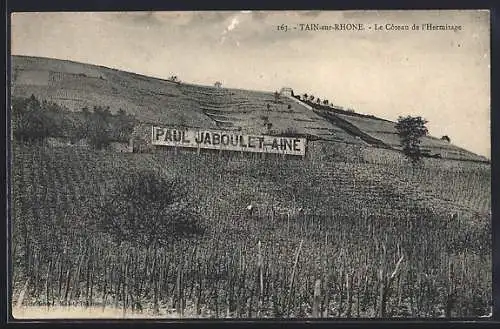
x: 76, y: 125
x: 411, y: 130
x: 123, y: 126
x: 325, y: 102
x: 99, y: 128
x: 318, y: 100
x: 311, y: 98
x: 32, y: 120
x: 305, y: 96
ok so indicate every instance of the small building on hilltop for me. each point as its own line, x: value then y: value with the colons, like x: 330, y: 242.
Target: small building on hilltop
x: 286, y: 91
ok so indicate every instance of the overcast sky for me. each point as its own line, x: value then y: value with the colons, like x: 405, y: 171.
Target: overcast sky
x: 443, y: 76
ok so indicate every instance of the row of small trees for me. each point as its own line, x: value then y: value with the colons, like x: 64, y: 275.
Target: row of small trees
x: 311, y: 98
x: 35, y: 120
x: 410, y: 130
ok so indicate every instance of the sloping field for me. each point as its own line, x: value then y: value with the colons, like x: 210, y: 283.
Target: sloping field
x: 382, y: 133
x: 358, y: 218
x: 76, y: 85
x: 344, y: 215
x: 385, y: 131
x: 152, y: 100
x: 231, y: 108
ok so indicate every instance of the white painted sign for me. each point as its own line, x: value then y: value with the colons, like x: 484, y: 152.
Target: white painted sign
x: 227, y: 140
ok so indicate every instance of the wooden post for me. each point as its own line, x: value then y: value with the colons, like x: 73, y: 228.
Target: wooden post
x: 290, y: 290
x: 348, y: 279
x: 382, y: 293
x: 178, y: 303
x: 260, y: 263
x: 327, y: 296
x: 156, y: 306
x: 47, y: 283
x: 200, y: 290
x: 130, y: 145
x: 385, y: 286
x: 22, y: 294
x: 60, y: 280
x: 125, y: 287
x: 66, y: 291
x: 317, y: 297
x: 92, y: 273
x: 288, y: 223
x: 358, y: 281
x: 306, y: 146
x: 105, y: 292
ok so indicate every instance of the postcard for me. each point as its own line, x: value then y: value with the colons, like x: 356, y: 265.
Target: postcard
x: 251, y: 164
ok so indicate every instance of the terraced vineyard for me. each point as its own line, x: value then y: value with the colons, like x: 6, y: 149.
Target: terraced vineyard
x: 249, y: 111
x: 380, y: 131
x: 325, y: 236
x: 161, y: 102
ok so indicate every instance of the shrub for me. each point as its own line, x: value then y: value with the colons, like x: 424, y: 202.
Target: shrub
x: 446, y: 138
x: 148, y: 208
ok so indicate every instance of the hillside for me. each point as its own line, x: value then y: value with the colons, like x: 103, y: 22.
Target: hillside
x: 152, y: 100
x: 383, y: 133
x: 238, y: 235
x: 358, y: 218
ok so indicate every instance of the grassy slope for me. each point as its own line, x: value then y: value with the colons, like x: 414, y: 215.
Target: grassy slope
x: 152, y: 100
x: 384, y: 131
